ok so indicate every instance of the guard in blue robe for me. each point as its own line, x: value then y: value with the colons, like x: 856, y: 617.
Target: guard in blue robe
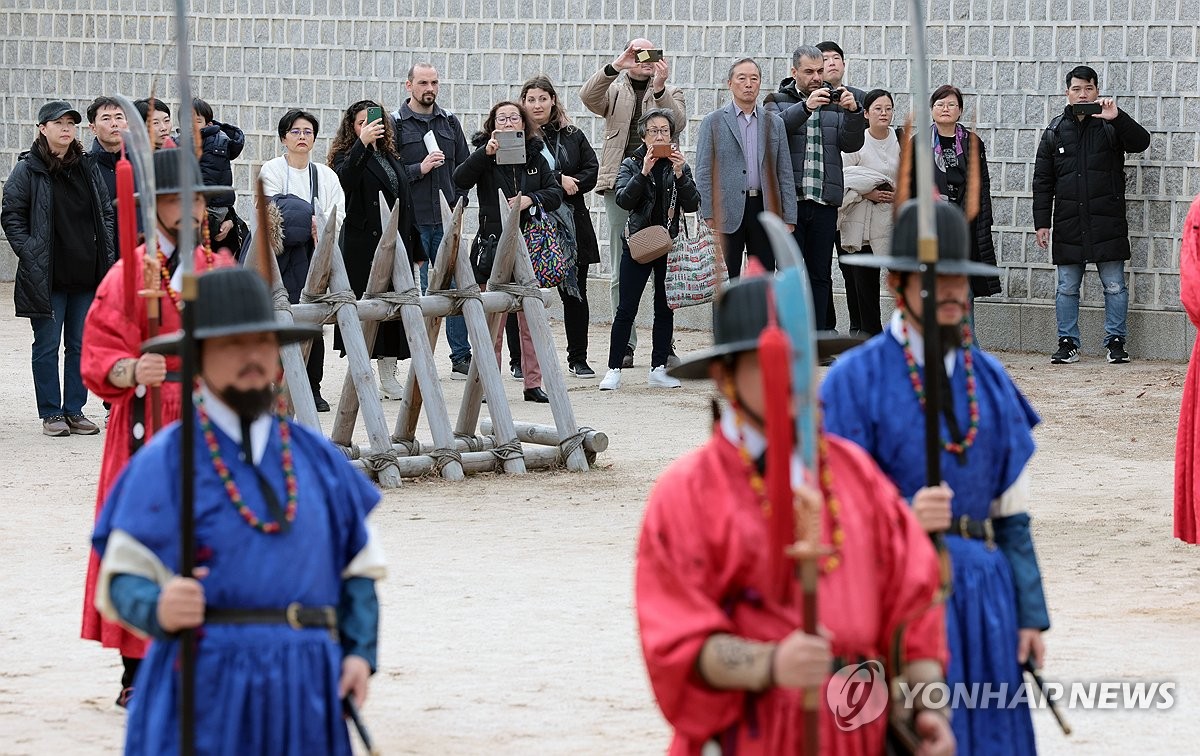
x: 868, y: 397
x: 284, y: 607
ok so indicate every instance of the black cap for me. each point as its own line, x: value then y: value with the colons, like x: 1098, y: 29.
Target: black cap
x: 56, y: 109
x: 166, y: 174
x: 953, y: 237
x: 739, y: 317
x: 232, y: 301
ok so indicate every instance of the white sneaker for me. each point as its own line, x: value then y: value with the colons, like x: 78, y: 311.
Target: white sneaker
x: 658, y: 377
x: 612, y: 379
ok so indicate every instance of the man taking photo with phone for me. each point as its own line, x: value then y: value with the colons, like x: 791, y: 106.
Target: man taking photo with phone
x: 1079, y: 189
x: 635, y: 82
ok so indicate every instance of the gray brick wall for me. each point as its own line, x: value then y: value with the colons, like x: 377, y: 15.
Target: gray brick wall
x: 255, y: 58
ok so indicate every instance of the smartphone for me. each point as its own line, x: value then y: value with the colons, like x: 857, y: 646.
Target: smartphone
x: 512, y: 148
x: 374, y: 114
x: 1087, y: 108
x: 648, y: 56
x: 661, y: 150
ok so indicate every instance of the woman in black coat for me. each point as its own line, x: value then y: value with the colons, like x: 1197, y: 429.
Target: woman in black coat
x: 953, y: 146
x: 58, y: 218
x: 575, y: 167
x: 539, y: 191
x: 364, y: 157
x: 656, y: 191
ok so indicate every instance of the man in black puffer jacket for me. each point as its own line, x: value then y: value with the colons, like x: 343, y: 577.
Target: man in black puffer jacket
x: 815, y: 128
x: 51, y: 194
x: 1079, y: 188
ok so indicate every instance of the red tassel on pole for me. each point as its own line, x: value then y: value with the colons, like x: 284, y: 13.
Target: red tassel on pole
x: 127, y: 232
x: 774, y: 354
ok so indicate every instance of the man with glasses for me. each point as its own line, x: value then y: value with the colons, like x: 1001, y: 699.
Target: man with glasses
x: 635, y: 82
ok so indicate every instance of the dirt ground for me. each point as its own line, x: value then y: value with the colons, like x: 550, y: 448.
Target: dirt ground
x: 508, y: 621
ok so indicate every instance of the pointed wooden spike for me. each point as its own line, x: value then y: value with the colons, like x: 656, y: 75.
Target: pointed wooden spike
x: 262, y: 244
x: 974, y: 176
x: 905, y: 180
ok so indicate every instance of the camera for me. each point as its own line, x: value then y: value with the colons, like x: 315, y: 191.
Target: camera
x: 835, y: 93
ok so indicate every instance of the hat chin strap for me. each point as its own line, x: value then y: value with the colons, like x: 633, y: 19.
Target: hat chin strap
x: 737, y: 404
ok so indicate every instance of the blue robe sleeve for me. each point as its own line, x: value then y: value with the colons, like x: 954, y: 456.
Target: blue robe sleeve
x: 1016, y: 543
x: 144, y: 500
x: 844, y: 393
x: 358, y: 619
x: 136, y: 600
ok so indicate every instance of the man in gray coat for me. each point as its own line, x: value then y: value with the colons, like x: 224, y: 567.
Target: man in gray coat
x: 743, y: 166
x: 817, y: 136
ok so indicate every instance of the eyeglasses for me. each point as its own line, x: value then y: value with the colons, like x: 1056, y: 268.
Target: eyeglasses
x: 664, y: 131
x: 508, y: 119
x: 302, y: 133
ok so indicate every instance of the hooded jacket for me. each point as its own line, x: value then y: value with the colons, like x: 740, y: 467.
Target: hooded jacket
x: 222, y: 142
x: 841, y: 131
x: 27, y: 218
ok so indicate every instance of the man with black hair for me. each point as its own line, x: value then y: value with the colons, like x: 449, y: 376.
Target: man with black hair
x: 1079, y: 189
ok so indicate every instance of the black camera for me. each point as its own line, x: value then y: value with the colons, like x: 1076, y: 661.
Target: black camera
x: 835, y: 93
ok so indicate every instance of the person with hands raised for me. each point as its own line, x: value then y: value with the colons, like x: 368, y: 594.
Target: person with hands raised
x: 620, y: 93
x: 363, y: 155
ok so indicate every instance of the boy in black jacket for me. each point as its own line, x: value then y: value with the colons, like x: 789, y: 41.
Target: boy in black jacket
x: 222, y: 143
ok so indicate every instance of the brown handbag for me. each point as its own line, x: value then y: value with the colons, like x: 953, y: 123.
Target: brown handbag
x: 653, y: 241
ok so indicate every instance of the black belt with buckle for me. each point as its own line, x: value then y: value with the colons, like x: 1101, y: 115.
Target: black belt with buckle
x: 294, y: 615
x: 753, y: 192
x: 975, y: 530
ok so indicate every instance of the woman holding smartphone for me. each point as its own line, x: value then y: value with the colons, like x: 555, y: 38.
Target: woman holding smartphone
x: 575, y: 167
x: 364, y: 157
x: 490, y: 173
x: 655, y: 185
x: 865, y: 217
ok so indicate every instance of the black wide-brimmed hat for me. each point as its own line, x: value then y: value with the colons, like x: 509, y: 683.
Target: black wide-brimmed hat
x: 232, y: 301
x: 953, y: 240
x: 166, y: 174
x: 739, y: 317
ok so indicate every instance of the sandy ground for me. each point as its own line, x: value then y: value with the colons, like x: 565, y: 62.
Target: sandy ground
x: 508, y: 620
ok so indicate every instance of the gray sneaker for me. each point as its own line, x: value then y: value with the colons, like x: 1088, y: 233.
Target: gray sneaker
x: 460, y: 369
x: 81, y: 426
x: 1068, y: 352
x: 56, y: 426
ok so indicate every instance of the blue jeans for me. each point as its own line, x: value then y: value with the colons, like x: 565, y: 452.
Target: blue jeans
x: 66, y: 324
x: 1116, y: 299
x: 816, y: 230
x: 456, y: 327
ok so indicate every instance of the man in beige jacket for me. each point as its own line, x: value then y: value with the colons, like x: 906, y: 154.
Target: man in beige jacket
x: 620, y: 92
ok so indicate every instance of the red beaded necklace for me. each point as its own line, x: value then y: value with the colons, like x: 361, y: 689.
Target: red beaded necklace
x: 829, y: 562
x: 231, y: 489
x: 165, y: 277
x: 914, y: 376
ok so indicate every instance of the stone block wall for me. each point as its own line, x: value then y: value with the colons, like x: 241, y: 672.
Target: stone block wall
x: 253, y: 59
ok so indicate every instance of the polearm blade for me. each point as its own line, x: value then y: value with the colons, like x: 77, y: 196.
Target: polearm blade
x: 185, y: 250
x: 139, y: 152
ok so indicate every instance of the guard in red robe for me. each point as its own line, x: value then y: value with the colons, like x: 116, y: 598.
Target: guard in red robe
x: 115, y: 369
x: 1187, y: 450
x: 726, y: 660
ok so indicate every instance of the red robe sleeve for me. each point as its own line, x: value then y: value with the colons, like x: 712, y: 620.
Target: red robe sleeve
x: 1187, y: 453
x: 678, y: 590
x: 109, y: 335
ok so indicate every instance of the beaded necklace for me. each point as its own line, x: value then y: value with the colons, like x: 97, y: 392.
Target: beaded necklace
x: 163, y: 264
x: 829, y: 562
x: 231, y: 489
x: 972, y: 394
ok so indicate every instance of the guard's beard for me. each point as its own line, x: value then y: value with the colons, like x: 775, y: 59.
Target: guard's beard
x: 951, y: 337
x: 249, y: 404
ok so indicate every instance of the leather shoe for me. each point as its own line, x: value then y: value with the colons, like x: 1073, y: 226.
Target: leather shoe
x: 322, y: 405
x: 536, y: 395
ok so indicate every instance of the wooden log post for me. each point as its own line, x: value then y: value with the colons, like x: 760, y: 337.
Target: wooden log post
x: 296, y: 384
x: 359, y: 357
x: 432, y: 306
x: 439, y: 277
x: 421, y: 364
x: 543, y: 345
x: 484, y: 376
x: 594, y: 441
x: 538, y: 457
